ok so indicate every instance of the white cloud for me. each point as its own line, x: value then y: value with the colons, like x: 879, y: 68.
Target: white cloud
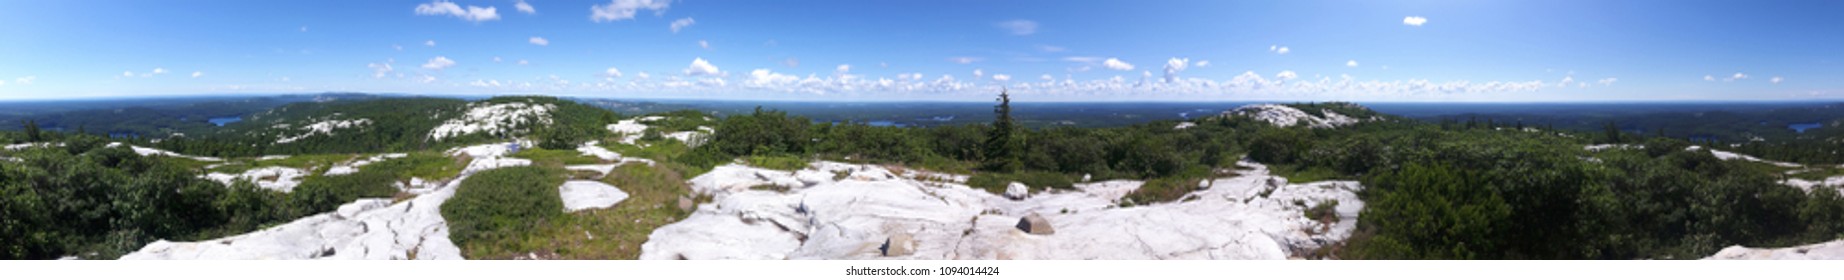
x: 699, y: 67
x: 1202, y: 63
x: 1709, y: 78
x: 497, y: 59
x: 612, y: 73
x: 1608, y: 81
x: 524, y: 62
x: 1776, y: 80
x: 1049, y: 48
x: 1278, y: 49
x: 196, y: 74
x: 1082, y: 59
x: 379, y: 70
x: 791, y: 62
x: 428, y: 79
x: 979, y: 73
x: 1286, y: 75
x: 127, y: 73
x: 1047, y: 78
x: 158, y: 71
x: 27, y: 80
x: 540, y: 41
x: 1414, y: 21
x: 681, y: 24
x: 1736, y: 76
x: 471, y: 13
x: 643, y: 75
x: 524, y: 7
x: 763, y: 78
x: 397, y: 47
x: 1351, y: 63
x: 965, y: 59
x: 429, y: 43
x: 1173, y: 66
x: 1116, y: 64
x: 1566, y: 81
x: 438, y: 63
x: 625, y: 9
x: 1018, y: 27
x: 1001, y: 77
x: 704, y: 44
x: 843, y: 68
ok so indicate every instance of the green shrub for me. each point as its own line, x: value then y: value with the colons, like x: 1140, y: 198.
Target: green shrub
x: 1161, y: 190
x: 789, y: 163
x: 325, y: 193
x: 497, y: 206
x: 995, y: 182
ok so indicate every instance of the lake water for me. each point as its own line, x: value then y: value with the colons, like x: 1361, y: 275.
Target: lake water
x: 225, y: 120
x: 1802, y: 127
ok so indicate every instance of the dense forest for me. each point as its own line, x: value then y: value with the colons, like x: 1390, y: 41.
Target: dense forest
x: 1474, y: 189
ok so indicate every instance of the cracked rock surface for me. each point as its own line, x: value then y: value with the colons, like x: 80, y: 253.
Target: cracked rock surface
x: 1251, y: 216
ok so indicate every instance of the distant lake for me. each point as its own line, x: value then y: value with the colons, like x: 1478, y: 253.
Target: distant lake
x: 1802, y: 127
x: 225, y: 120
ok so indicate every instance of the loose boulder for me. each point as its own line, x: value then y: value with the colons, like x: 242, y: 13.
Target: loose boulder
x: 900, y: 244
x: 1017, y: 191
x: 686, y: 204
x: 1035, y: 224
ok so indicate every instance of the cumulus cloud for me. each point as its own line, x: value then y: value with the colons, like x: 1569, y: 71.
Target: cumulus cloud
x: 158, y: 71
x: 681, y: 24
x: 1286, y: 75
x: 1776, y: 80
x: 523, y: 62
x: 196, y: 74
x: 1608, y: 81
x: 843, y: 68
x: 611, y: 73
x: 397, y: 47
x: 965, y: 59
x: 699, y: 67
x: 1001, y: 77
x: 524, y: 7
x: 1018, y: 27
x: 1173, y: 66
x: 704, y: 44
x: 625, y: 9
x: 379, y: 70
x: 1414, y: 21
x: 1709, y: 78
x: 471, y: 13
x: 1278, y: 49
x: 429, y: 43
x: 1202, y: 63
x: 1116, y: 64
x: 540, y: 41
x: 438, y: 63
x: 1351, y: 63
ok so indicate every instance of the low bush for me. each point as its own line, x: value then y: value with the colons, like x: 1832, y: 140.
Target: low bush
x: 501, y: 205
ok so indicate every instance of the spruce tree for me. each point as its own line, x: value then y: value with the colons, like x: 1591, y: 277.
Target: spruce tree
x: 1613, y: 132
x: 32, y: 133
x: 998, y: 150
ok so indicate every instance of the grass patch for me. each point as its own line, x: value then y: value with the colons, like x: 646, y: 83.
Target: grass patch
x: 1326, y: 212
x: 1819, y: 173
x: 556, y: 157
x: 295, y: 161
x: 612, y: 233
x: 1295, y: 173
x: 658, y: 150
x: 1160, y: 190
x: 426, y: 165
x: 995, y: 182
x: 496, y: 209
x: 318, y: 194
x: 789, y: 163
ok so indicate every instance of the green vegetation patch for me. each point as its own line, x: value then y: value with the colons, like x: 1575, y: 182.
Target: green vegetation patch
x: 612, y: 233
x: 1160, y: 190
x: 789, y: 163
x: 995, y: 182
x: 556, y: 157
x: 497, y: 208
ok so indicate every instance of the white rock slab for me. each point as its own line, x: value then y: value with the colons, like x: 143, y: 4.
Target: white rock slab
x: 1833, y: 250
x: 581, y: 195
x: 277, y: 178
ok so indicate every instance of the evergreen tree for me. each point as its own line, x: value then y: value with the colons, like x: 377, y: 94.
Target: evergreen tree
x: 998, y: 147
x: 1613, y: 132
x: 32, y: 133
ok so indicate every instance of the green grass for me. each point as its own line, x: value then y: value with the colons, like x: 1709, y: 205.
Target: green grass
x: 995, y: 182
x: 618, y: 231
x: 661, y: 150
x: 1819, y: 173
x: 555, y: 157
x: 1160, y: 190
x: 1294, y: 173
x: 789, y: 163
x: 294, y: 161
x: 495, y: 210
x: 425, y: 165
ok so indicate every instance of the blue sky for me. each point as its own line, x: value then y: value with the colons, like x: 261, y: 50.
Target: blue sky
x: 933, y: 50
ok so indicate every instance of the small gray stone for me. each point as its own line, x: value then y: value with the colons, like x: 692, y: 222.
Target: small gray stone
x: 1035, y: 224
